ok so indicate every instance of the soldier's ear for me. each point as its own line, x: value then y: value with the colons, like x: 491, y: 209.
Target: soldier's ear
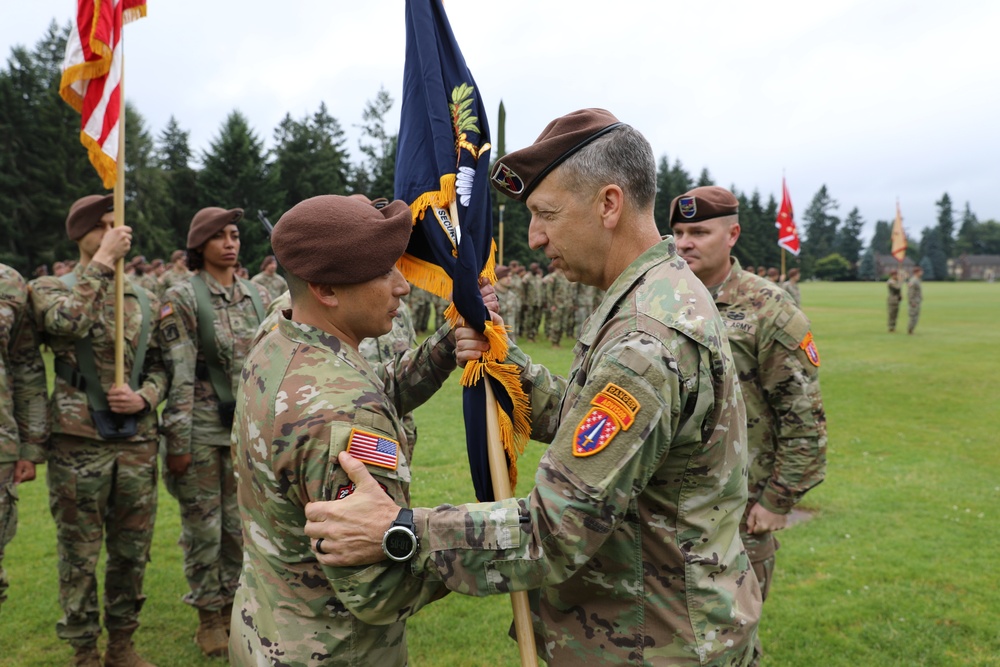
x: 325, y: 294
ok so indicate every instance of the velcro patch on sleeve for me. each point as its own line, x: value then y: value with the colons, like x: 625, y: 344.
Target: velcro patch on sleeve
x: 808, y: 345
x: 166, y: 310
x: 373, y: 448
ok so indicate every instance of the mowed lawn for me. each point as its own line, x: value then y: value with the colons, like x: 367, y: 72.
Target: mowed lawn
x: 898, y: 566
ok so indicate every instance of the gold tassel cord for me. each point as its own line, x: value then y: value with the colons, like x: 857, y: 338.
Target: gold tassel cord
x: 437, y: 198
x: 425, y: 275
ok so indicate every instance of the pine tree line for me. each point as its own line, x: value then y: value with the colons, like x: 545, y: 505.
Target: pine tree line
x: 43, y: 168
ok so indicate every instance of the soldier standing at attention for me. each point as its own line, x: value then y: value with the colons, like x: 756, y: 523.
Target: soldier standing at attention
x: 177, y: 274
x: 913, y: 298
x: 308, y: 394
x: 791, y: 287
x: 206, y: 325
x: 24, y: 412
x: 631, y: 533
x: 895, y: 285
x: 559, y: 299
x: 102, y: 456
x: 510, y: 300
x: 269, y: 279
x: 531, y: 309
x: 776, y: 361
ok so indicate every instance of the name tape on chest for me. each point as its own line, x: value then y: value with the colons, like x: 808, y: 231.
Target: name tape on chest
x: 614, y: 410
x: 808, y: 345
x: 372, y: 448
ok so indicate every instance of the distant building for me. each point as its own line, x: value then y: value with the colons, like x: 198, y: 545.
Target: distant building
x: 978, y: 267
x: 886, y: 263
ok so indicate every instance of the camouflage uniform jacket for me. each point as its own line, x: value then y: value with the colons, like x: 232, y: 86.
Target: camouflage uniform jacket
x: 173, y: 277
x: 533, y: 289
x: 895, y: 286
x: 192, y: 410
x: 778, y: 367
x: 632, y: 529
x: 24, y: 415
x: 510, y: 302
x: 274, y: 285
x: 303, y: 394
x: 87, y: 310
x: 913, y: 290
x: 792, y: 289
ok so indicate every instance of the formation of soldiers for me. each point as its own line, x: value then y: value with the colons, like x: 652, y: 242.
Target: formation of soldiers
x: 189, y: 325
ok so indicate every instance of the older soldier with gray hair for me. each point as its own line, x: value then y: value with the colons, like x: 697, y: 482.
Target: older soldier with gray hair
x: 631, y: 533
x: 308, y: 394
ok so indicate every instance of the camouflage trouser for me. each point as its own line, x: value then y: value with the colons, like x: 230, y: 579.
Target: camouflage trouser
x: 914, y: 312
x: 8, y: 518
x: 211, y: 535
x: 101, y: 491
x: 421, y: 314
x: 553, y: 325
x: 893, y: 313
x: 761, y: 550
x: 530, y: 316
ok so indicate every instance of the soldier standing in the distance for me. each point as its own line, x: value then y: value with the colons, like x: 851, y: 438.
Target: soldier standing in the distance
x: 895, y: 286
x: 914, y: 295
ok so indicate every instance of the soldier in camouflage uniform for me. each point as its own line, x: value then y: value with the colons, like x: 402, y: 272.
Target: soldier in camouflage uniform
x: 510, y: 301
x: 178, y: 273
x: 559, y: 302
x: 586, y: 303
x: 913, y: 298
x: 531, y: 309
x: 420, y: 307
x: 102, y: 481
x: 269, y: 279
x: 24, y: 414
x: 895, y: 285
x: 197, y: 419
x: 308, y: 393
x: 791, y: 287
x: 778, y: 366
x: 631, y: 533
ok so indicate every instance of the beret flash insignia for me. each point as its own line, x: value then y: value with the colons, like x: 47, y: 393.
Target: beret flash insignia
x: 688, y: 207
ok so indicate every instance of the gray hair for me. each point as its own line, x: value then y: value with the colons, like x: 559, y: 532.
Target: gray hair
x: 621, y: 157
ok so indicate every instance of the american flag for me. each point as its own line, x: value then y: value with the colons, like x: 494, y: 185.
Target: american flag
x: 374, y: 449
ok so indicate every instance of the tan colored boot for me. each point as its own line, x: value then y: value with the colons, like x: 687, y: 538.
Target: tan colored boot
x: 121, y: 651
x: 86, y: 656
x: 211, y: 637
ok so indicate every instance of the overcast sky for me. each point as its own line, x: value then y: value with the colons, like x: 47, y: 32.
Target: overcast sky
x: 877, y: 99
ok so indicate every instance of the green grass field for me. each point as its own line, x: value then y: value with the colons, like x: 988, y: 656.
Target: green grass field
x: 898, y: 566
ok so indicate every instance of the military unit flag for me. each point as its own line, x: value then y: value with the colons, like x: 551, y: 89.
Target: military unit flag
x: 442, y: 172
x: 898, y: 236
x: 92, y: 73
x: 788, y: 235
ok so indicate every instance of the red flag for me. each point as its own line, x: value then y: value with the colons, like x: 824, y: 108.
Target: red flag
x: 92, y: 72
x: 898, y: 237
x: 788, y: 235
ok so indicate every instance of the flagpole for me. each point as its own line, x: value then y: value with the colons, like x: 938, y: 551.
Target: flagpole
x: 119, y: 214
x: 783, y: 264
x: 501, y: 490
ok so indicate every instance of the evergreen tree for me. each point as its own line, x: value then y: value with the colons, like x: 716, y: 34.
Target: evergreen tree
x: 173, y: 156
x: 704, y: 178
x: 236, y: 175
x: 848, y: 242
x: 146, y: 191
x: 966, y: 242
x: 866, y: 268
x: 309, y: 158
x: 882, y: 238
x: 820, y: 229
x: 946, y: 224
x: 374, y: 176
x: 670, y: 182
x: 932, y: 252
x: 43, y: 166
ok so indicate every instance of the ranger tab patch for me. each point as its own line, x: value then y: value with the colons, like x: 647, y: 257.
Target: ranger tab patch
x: 372, y: 448
x: 614, y: 410
x: 808, y: 345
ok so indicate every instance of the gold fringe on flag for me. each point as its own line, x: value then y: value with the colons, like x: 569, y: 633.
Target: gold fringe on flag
x: 425, y: 275
x: 514, y: 435
x: 103, y: 163
x: 437, y: 198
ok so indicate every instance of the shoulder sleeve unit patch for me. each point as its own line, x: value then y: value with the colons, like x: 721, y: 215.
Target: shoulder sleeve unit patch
x: 614, y: 410
x: 808, y: 345
x: 372, y: 448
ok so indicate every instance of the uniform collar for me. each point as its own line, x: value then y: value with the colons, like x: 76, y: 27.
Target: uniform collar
x: 725, y: 293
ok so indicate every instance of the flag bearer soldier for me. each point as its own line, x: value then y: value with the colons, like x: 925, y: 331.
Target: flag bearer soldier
x: 308, y: 394
x: 777, y: 364
x: 895, y: 286
x: 631, y: 532
x: 24, y: 413
x: 102, y: 455
x: 206, y: 325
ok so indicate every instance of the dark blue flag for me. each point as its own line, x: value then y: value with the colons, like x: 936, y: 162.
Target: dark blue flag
x: 442, y: 171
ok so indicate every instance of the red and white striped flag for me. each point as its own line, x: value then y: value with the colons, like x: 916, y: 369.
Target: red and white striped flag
x: 92, y: 72
x: 788, y: 235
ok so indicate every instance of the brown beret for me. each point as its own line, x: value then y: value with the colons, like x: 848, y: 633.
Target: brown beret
x: 335, y: 240
x: 208, y: 221
x: 703, y: 203
x: 86, y: 213
x: 502, y: 271
x: 517, y: 174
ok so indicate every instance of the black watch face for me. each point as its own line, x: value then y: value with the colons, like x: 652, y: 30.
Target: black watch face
x: 399, y: 544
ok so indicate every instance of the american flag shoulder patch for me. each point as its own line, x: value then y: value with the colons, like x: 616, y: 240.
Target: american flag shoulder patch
x: 373, y: 448
x: 166, y: 310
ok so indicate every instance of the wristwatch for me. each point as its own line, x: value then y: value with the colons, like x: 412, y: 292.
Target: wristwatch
x: 400, y: 542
